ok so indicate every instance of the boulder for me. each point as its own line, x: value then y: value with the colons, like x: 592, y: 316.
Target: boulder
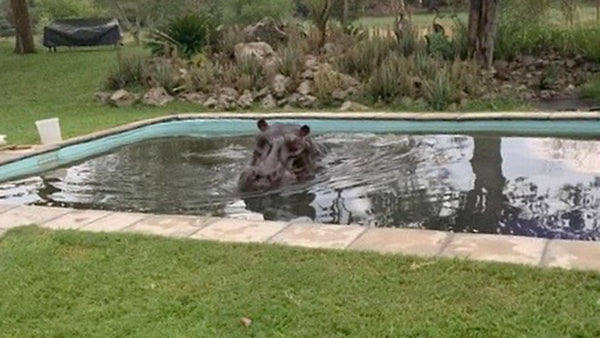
x: 266, y: 30
x: 122, y: 98
x: 246, y: 100
x: 305, y: 87
x: 262, y: 51
x: 198, y: 98
x: 211, y: 103
x: 157, y: 97
x: 307, y: 101
x: 102, y: 97
x: 269, y: 102
x: 279, y: 85
x: 353, y: 107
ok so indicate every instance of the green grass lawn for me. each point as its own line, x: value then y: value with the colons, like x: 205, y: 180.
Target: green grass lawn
x: 69, y: 283
x: 62, y: 85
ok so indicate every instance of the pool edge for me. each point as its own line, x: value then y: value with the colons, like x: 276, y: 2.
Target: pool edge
x: 529, y: 251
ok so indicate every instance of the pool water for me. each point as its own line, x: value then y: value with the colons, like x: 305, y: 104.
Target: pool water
x: 541, y: 187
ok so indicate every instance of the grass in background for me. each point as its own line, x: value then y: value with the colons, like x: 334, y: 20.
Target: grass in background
x: 62, y: 85
x: 70, y: 283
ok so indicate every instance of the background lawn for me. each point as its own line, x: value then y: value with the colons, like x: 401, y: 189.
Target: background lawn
x: 71, y: 283
x: 63, y: 84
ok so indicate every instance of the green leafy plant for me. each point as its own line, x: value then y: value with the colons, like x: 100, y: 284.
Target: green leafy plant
x: 188, y: 35
x: 127, y: 72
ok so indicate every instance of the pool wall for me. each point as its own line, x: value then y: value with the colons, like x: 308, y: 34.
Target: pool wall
x: 231, y: 124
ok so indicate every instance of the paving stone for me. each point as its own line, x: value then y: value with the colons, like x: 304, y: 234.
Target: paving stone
x: 573, y: 255
x: 5, y: 207
x: 76, y: 219
x: 114, y: 222
x: 402, y: 241
x: 171, y: 226
x: 318, y: 236
x: 26, y: 215
x: 237, y: 230
x: 508, y: 249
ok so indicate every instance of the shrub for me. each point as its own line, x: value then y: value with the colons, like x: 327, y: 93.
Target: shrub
x: 67, y: 9
x: 291, y: 61
x: 246, y: 12
x: 189, y: 35
x: 203, y: 76
x: 252, y: 71
x: 162, y: 73
x: 127, y: 72
x: 364, y: 58
x: 440, y: 91
x: 229, y: 38
x: 590, y: 90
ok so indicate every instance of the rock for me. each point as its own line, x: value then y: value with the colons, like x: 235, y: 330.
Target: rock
x: 157, y: 97
x: 246, y: 100
x: 308, y: 74
x: 452, y: 107
x: 464, y: 103
x: 262, y: 93
x: 570, y: 63
x: 500, y: 64
x: 353, y: 107
x: 269, y: 102
x: 266, y: 30
x: 247, y: 322
x: 293, y: 99
x: 211, y: 103
x: 307, y: 101
x: 305, y: 88
x: 197, y: 98
x: 279, y: 85
x: 102, y: 97
x: 122, y: 98
x: 261, y: 51
x: 339, y: 94
x: 229, y: 93
x: 527, y: 60
x: 311, y: 63
x: 406, y: 101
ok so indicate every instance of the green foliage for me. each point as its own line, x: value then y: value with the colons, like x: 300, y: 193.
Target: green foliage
x: 591, y: 90
x: 189, y: 35
x: 440, y: 91
x: 66, y: 9
x: 128, y: 72
x: 162, y: 73
x: 252, y: 72
x: 364, y: 57
x: 68, y: 283
x: 244, y: 12
x: 291, y: 61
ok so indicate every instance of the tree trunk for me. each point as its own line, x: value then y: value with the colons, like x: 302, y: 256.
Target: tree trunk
x: 483, y: 24
x: 24, y: 39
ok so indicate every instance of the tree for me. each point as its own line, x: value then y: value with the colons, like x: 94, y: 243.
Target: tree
x: 24, y: 38
x: 483, y: 25
x: 320, y: 11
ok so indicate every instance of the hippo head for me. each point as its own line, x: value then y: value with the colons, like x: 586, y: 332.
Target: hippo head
x: 284, y: 154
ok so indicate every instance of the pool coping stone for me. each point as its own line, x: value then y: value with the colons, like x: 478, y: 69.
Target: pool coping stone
x: 545, y: 253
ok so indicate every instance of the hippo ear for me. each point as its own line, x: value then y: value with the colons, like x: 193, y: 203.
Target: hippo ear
x: 304, y: 130
x: 262, y: 125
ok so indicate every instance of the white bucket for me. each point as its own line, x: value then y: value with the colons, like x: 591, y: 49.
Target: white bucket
x: 2, y: 140
x: 49, y: 130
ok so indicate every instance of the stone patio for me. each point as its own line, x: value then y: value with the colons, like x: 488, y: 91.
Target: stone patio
x: 480, y: 247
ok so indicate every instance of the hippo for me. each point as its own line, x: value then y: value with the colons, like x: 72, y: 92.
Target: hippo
x: 284, y: 155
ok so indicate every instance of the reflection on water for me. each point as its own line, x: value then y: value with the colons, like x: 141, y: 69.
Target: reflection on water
x: 543, y: 187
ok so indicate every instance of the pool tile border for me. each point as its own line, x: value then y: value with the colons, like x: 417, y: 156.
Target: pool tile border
x: 564, y: 254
